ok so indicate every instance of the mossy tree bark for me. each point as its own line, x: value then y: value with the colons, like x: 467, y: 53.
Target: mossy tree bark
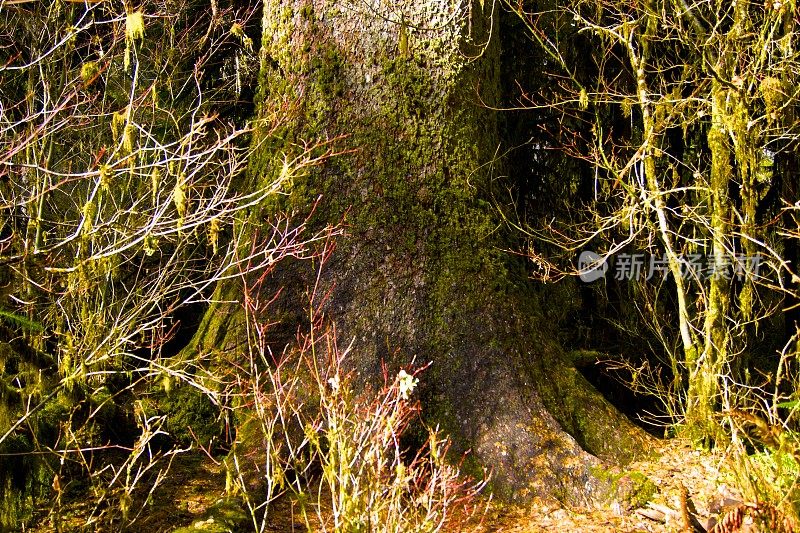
x: 421, y: 273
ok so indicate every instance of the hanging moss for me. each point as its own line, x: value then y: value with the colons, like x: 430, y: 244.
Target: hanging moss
x: 773, y: 92
x: 25, y: 478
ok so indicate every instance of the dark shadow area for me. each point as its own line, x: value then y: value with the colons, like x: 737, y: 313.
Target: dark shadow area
x: 644, y: 410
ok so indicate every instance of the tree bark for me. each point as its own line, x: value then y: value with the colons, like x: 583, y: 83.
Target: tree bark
x: 421, y: 273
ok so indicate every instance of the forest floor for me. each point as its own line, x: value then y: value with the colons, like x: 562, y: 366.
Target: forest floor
x: 676, y: 467
x: 188, y: 501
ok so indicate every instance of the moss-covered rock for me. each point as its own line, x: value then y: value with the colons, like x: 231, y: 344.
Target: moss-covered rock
x: 191, y: 416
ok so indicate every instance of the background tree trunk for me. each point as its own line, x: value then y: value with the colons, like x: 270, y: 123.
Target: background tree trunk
x: 422, y: 273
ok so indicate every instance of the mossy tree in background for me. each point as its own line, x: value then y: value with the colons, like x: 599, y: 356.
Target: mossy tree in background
x: 124, y: 134
x: 694, y: 168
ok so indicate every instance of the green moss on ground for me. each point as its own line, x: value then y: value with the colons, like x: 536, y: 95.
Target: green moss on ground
x: 191, y: 416
x: 227, y: 515
x: 632, y: 490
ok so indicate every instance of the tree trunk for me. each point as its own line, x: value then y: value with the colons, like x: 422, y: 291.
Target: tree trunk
x: 421, y: 273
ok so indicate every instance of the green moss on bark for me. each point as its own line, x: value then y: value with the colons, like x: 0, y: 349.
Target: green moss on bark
x: 586, y: 414
x: 421, y: 273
